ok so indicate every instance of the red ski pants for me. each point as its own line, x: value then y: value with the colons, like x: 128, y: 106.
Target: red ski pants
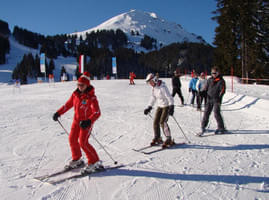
x: 78, y: 139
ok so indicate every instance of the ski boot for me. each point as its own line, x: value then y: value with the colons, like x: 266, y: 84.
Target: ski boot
x: 201, y: 133
x: 220, y: 131
x: 156, y: 141
x: 74, y: 164
x: 168, y: 142
x: 90, y: 168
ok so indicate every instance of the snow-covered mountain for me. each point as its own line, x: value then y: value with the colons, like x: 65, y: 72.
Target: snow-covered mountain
x: 145, y: 23
x: 135, y: 24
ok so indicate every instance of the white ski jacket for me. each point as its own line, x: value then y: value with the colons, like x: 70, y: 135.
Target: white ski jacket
x: 201, y: 85
x: 161, y: 95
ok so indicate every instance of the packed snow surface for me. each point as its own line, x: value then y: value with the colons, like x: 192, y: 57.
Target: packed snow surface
x: 230, y: 166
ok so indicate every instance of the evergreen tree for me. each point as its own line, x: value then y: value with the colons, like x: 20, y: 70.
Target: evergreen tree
x: 4, y: 30
x: 242, y: 36
x: 225, y: 39
x: 148, y: 42
x: 262, y: 67
x: 4, y: 49
x: 37, y: 66
x: 51, y: 67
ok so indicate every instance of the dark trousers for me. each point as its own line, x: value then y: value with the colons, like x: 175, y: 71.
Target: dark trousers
x: 194, y: 94
x: 202, y: 96
x: 160, y: 119
x: 178, y: 91
x: 215, y: 106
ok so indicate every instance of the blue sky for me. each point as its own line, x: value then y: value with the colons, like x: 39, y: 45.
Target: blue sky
x: 51, y: 17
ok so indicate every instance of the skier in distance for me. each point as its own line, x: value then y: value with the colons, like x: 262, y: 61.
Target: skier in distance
x: 201, y: 86
x: 193, y: 88
x: 176, y: 84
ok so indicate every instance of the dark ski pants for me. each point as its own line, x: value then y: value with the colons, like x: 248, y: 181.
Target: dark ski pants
x: 179, y: 93
x: 194, y: 94
x: 160, y: 119
x: 202, y: 96
x: 215, y: 106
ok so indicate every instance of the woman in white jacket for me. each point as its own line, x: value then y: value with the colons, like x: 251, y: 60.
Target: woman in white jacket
x: 201, y: 88
x: 165, y: 107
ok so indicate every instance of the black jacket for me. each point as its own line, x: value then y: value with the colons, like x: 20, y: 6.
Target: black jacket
x: 215, y: 88
x: 176, y: 82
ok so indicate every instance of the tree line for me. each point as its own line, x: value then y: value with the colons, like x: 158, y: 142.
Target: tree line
x: 29, y: 67
x: 4, y: 42
x: 242, y: 40
x: 101, y: 46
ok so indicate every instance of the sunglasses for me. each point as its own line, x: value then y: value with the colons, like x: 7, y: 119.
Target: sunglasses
x: 214, y: 73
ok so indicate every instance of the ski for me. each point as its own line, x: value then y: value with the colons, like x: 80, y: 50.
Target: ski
x: 212, y: 133
x: 146, y: 147
x: 161, y: 149
x: 76, y: 176
x: 57, y: 173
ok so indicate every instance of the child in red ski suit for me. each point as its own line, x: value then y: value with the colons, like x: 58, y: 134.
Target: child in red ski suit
x: 86, y: 112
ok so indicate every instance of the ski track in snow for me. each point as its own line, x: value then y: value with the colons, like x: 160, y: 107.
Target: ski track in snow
x: 230, y: 166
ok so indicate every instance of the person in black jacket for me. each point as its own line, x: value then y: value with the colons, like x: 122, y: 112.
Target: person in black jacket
x: 176, y: 84
x: 215, y: 88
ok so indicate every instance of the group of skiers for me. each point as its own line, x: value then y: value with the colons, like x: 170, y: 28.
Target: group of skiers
x: 210, y: 91
x: 87, y: 111
x: 197, y: 87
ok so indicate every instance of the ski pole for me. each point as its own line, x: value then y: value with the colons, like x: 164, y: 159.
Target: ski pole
x: 63, y: 127
x: 181, y: 129
x: 115, y: 162
x: 150, y: 116
x: 188, y: 98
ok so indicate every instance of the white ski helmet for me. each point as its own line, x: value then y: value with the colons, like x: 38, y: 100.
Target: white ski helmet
x: 149, y: 77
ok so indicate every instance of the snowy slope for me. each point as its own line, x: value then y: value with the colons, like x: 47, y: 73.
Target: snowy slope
x: 13, y: 58
x: 16, y: 54
x: 145, y: 23
x: 231, y: 166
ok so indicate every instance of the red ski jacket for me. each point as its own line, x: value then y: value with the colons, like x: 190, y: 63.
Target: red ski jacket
x: 85, y: 105
x: 132, y: 75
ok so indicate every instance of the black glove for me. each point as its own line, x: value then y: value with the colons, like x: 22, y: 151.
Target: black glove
x: 171, y: 110
x: 147, y: 110
x: 55, y: 116
x: 85, y: 123
x: 189, y: 89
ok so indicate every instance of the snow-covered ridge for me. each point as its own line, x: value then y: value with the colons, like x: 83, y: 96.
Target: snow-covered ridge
x: 145, y: 23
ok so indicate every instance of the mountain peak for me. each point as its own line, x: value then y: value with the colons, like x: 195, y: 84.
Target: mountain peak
x: 145, y: 23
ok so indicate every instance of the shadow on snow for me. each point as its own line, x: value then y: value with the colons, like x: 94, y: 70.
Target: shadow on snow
x: 210, y: 132
x: 227, y: 148
x: 230, y: 179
